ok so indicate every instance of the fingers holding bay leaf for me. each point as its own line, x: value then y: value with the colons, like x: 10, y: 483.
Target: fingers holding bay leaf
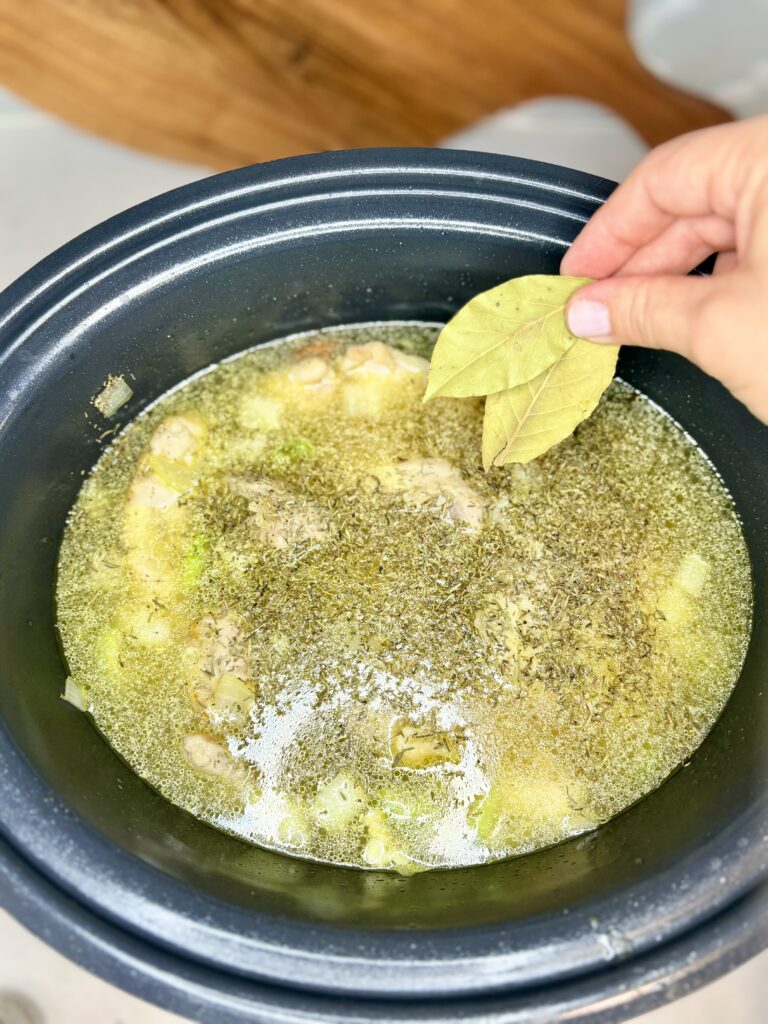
x: 522, y: 423
x: 503, y: 337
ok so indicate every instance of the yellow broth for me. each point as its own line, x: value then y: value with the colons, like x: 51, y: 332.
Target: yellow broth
x: 293, y: 602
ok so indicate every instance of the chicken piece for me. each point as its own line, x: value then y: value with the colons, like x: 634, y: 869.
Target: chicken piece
x: 220, y: 681
x: 221, y: 638
x: 153, y: 521
x: 434, y: 482
x: 304, y: 384
x: 206, y: 754
x: 374, y: 376
x: 153, y: 525
x: 218, y: 651
x: 326, y: 347
x: 312, y: 373
x: 279, y: 517
x: 377, y: 358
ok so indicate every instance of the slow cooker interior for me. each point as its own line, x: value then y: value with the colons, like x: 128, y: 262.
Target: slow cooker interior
x: 167, y: 329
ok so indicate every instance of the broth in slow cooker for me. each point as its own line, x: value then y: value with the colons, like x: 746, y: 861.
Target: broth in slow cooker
x: 293, y: 602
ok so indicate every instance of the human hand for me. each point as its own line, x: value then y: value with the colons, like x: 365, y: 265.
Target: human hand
x: 701, y: 193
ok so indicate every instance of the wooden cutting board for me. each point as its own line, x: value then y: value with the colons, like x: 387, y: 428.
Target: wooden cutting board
x: 230, y: 82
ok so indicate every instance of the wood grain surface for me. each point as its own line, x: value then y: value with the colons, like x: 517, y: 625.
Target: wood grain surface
x: 230, y: 82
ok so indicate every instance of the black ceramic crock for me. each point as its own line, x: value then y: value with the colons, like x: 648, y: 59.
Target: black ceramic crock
x: 667, y: 896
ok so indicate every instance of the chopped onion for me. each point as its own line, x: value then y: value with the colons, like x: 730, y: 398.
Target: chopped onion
x: 73, y: 694
x: 115, y: 394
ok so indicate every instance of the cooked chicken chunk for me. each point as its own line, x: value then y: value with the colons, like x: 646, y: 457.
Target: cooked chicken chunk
x: 279, y: 517
x: 221, y: 641
x: 312, y: 372
x: 220, y: 681
x: 207, y: 754
x: 434, y: 482
x: 377, y: 358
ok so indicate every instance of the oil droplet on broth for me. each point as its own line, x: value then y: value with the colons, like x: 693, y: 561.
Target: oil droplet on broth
x: 295, y: 604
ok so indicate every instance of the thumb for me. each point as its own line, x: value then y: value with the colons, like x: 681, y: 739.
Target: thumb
x: 655, y: 312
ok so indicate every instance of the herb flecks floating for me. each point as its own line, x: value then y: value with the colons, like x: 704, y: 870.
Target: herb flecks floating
x: 512, y: 344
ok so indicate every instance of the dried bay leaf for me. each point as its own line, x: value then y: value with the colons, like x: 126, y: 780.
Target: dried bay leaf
x: 503, y: 337
x: 524, y: 422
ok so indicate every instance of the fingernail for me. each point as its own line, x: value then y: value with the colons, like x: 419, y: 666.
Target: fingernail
x: 589, y: 319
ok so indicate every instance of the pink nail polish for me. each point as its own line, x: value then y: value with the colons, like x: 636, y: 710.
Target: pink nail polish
x: 589, y: 319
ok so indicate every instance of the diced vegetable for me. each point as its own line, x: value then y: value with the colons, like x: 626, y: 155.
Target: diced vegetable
x: 232, y: 697
x: 512, y: 814
x: 194, y: 560
x: 381, y: 849
x: 74, y: 695
x: 675, y: 605
x: 179, y: 437
x: 174, y: 474
x: 114, y: 395
x: 692, y: 574
x: 259, y: 412
x: 293, y: 828
x: 107, y: 649
x: 366, y: 399
x: 292, y: 451
x: 406, y: 807
x: 338, y: 803
x: 421, y: 745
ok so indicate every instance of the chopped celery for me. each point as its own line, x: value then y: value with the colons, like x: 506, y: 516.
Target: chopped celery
x: 292, y: 451
x: 194, y: 558
x: 115, y: 393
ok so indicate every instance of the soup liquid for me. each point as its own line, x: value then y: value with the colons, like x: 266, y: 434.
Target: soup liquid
x: 294, y: 603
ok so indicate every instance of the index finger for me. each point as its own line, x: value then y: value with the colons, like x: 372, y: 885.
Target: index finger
x: 692, y: 176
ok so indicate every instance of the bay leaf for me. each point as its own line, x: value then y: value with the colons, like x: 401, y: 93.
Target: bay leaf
x: 503, y: 337
x: 522, y: 423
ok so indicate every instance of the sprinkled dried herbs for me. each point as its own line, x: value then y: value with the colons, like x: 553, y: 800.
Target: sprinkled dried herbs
x: 419, y: 663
